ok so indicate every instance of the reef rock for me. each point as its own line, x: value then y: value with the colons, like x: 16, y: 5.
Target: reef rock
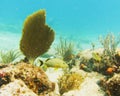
x: 113, y: 85
x: 28, y: 76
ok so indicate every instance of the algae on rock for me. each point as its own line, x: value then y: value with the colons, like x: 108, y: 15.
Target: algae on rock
x: 70, y: 81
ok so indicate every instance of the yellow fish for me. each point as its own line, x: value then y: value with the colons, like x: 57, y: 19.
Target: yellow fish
x: 56, y: 63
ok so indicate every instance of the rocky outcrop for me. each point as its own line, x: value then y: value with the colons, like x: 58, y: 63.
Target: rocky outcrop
x: 33, y: 77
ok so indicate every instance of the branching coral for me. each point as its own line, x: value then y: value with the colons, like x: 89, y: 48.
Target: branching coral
x: 37, y: 36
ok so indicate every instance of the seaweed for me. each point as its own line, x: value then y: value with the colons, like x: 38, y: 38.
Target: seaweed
x: 9, y: 56
x: 109, y: 44
x: 69, y: 81
x: 65, y: 49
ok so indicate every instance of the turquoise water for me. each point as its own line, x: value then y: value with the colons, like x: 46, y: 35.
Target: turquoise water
x: 81, y: 21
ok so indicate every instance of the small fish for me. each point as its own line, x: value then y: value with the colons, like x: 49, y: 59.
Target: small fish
x: 56, y: 63
x: 53, y: 63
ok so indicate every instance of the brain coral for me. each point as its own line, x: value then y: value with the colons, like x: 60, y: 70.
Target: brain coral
x: 37, y: 36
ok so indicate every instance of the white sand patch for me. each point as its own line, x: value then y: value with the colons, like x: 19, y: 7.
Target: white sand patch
x: 53, y: 74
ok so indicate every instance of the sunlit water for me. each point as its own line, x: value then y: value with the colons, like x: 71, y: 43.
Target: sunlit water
x: 81, y: 21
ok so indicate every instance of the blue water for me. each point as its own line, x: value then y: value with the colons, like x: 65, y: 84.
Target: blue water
x: 79, y: 20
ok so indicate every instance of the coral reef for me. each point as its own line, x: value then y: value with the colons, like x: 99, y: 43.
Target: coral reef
x: 37, y: 36
x: 109, y: 44
x: 108, y: 61
x: 33, y: 77
x: 111, y: 86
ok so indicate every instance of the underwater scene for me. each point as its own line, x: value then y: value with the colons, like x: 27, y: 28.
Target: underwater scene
x: 59, y: 48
